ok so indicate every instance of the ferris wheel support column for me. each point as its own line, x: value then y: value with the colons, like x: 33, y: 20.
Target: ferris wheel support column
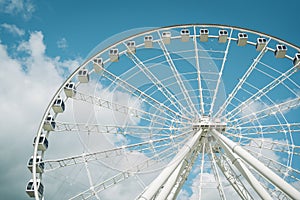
x: 157, y: 183
x: 168, y: 186
x: 236, y: 160
x: 232, y: 147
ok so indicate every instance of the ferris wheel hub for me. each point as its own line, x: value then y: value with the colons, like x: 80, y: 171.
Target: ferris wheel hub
x: 206, y: 123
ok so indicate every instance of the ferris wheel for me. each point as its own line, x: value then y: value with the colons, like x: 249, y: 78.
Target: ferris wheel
x: 197, y: 111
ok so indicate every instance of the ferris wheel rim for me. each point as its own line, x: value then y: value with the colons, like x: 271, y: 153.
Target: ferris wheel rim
x: 88, y: 60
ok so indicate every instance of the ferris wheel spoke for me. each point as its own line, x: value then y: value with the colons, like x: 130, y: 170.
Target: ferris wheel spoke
x: 272, y: 77
x: 267, y: 144
x: 150, y: 100
x: 170, y: 97
x: 177, y: 76
x: 130, y: 111
x: 140, y: 131
x: 198, y: 73
x: 265, y: 129
x: 259, y: 128
x: 263, y: 91
x: 90, y: 179
x: 97, y: 188
x: 102, y: 186
x: 220, y: 75
x: 271, y: 110
x: 118, y: 151
x: 279, y: 72
x: 242, y: 80
x: 272, y: 129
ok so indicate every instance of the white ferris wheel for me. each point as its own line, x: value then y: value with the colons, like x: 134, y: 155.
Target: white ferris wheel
x: 197, y: 111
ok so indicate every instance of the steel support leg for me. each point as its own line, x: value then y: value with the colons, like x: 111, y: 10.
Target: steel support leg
x: 232, y: 178
x: 256, y: 164
x: 168, y: 186
x: 157, y: 183
x: 186, y: 169
x: 235, y: 159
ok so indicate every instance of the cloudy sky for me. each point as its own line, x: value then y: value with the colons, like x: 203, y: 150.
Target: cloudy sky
x: 42, y: 41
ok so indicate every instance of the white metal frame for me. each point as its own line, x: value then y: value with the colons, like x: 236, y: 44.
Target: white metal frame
x: 172, y: 176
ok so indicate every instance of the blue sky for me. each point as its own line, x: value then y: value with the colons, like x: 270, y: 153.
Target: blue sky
x: 48, y: 36
x: 86, y: 23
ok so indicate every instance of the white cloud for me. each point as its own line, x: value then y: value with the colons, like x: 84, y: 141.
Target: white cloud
x: 209, y: 188
x: 249, y: 109
x: 24, y: 97
x: 13, y: 29
x: 35, y: 46
x: 25, y: 8
x: 252, y: 109
x: 62, y: 43
x: 132, y: 187
x: 208, y: 182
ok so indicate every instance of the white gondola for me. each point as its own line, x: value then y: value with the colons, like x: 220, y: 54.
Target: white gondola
x: 114, y: 55
x: 49, y: 123
x: 280, y: 51
x: 131, y: 49
x: 58, y: 105
x: 42, y: 143
x: 83, y: 76
x: 98, y: 64
x: 242, y: 39
x: 185, y: 35
x: 204, y: 35
x: 148, y: 40
x: 30, y: 188
x: 166, y: 37
x: 260, y: 43
x: 296, y: 60
x: 223, y: 35
x: 39, y: 164
x: 70, y: 89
